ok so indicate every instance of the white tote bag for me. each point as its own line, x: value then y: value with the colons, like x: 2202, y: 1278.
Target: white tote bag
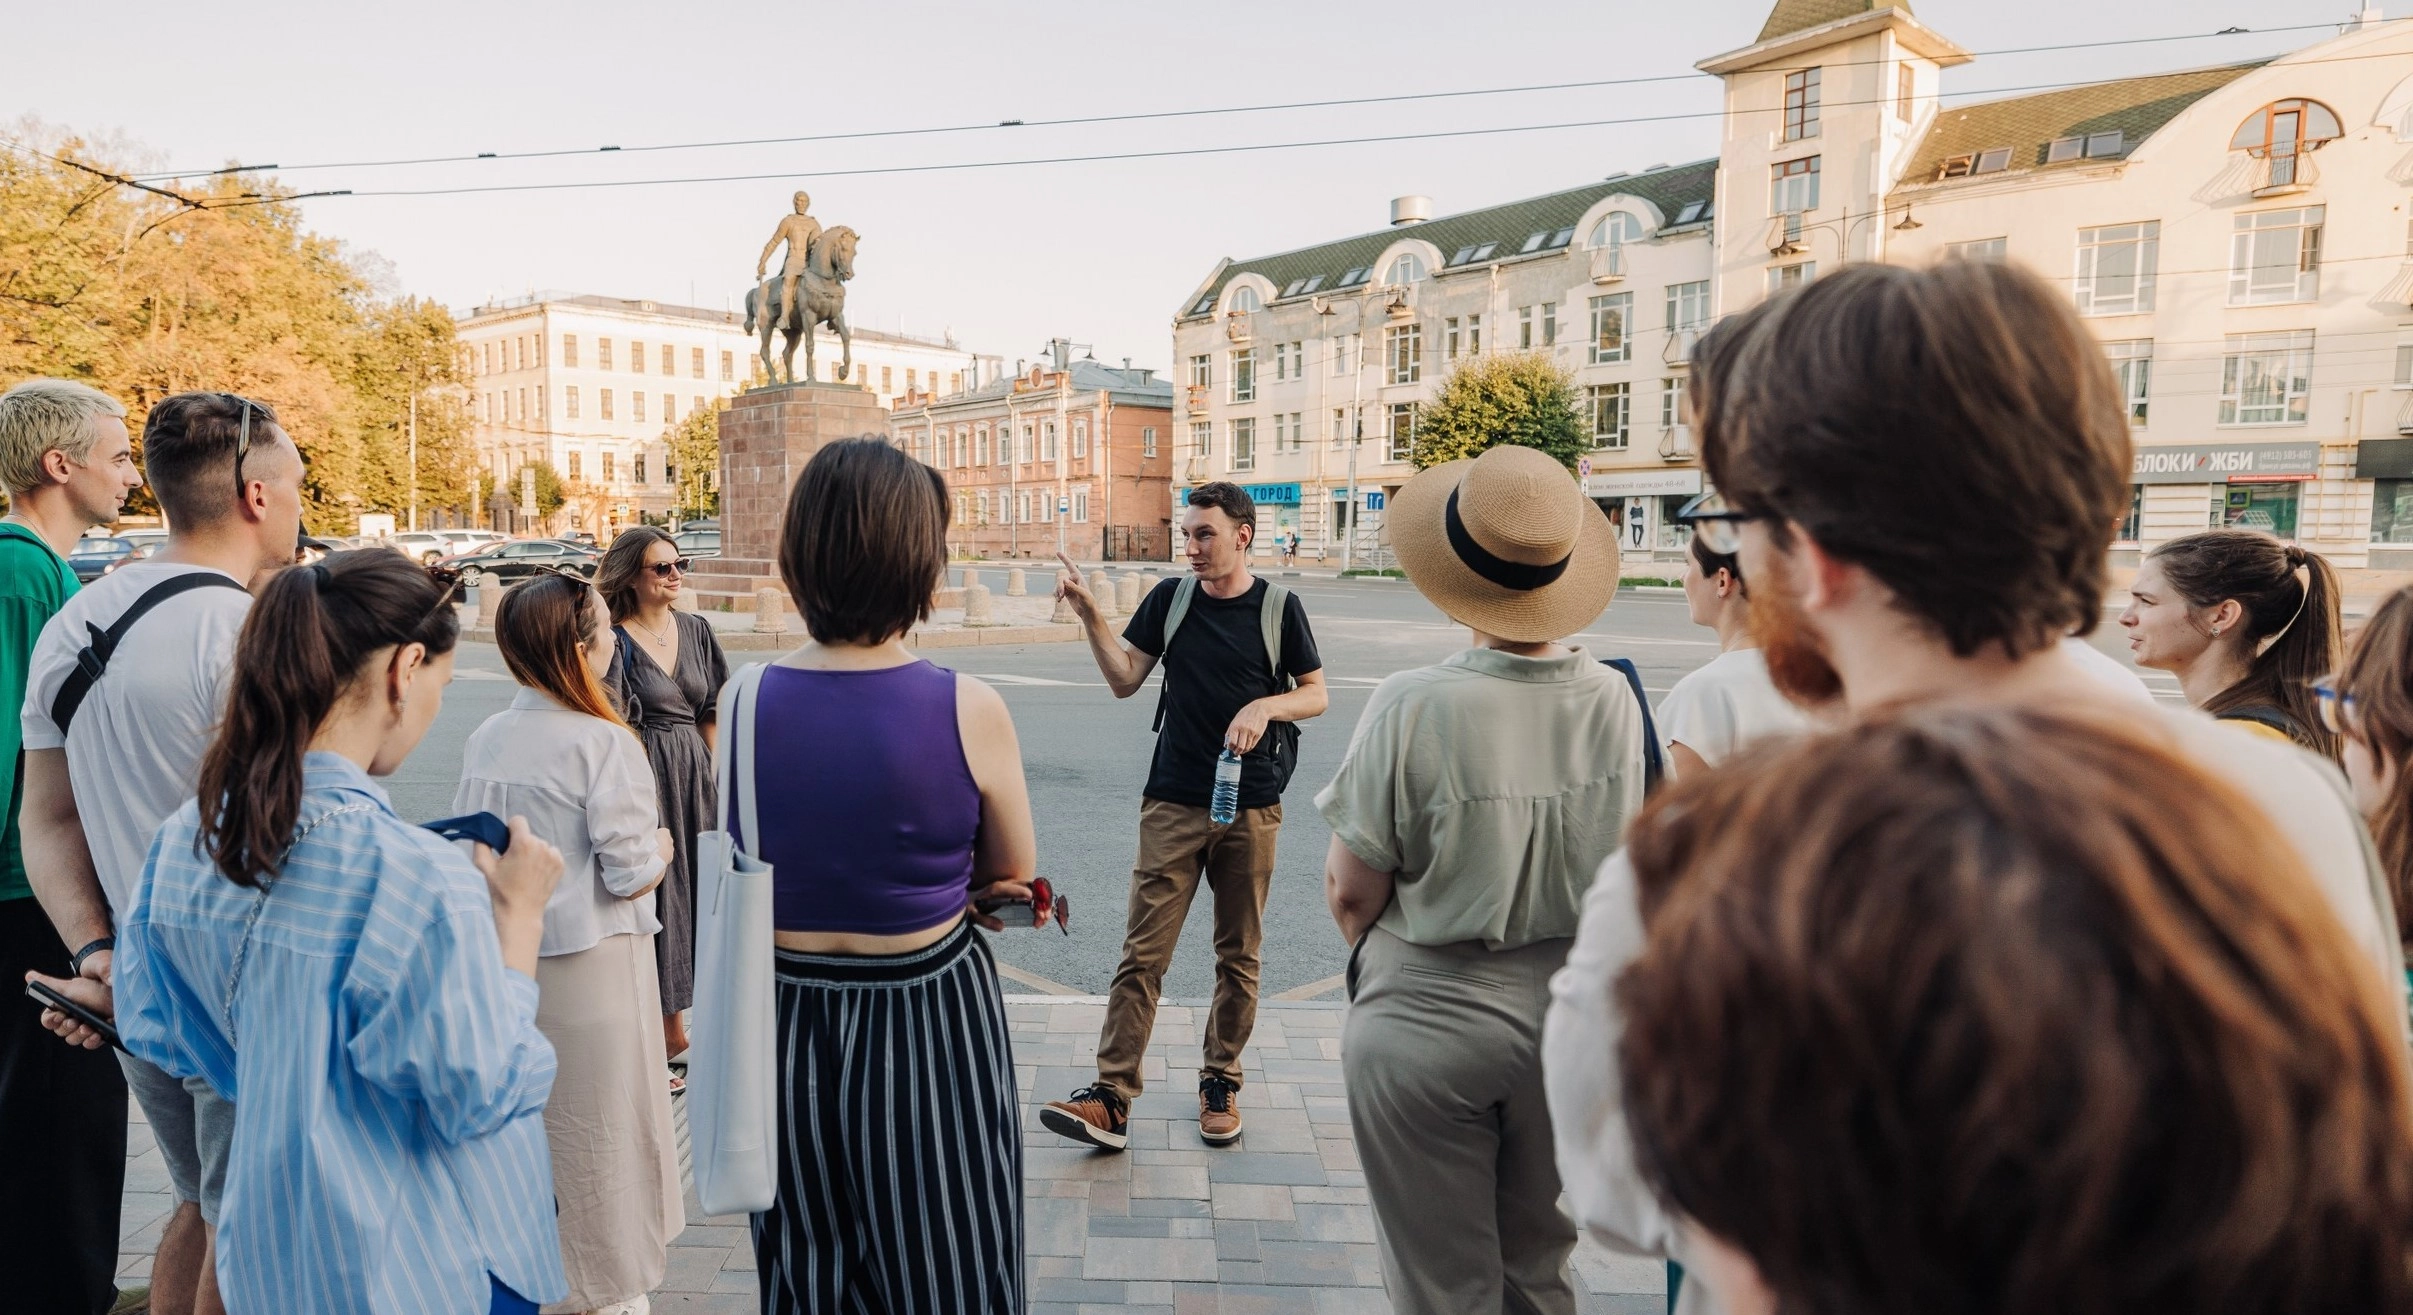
x: 732, y: 1099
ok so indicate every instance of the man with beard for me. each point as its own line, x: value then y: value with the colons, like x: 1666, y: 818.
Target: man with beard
x: 1920, y: 472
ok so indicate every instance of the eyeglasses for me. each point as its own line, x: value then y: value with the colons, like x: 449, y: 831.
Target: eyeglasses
x: 242, y: 440
x: 663, y: 570
x: 1718, y: 526
x: 2339, y: 710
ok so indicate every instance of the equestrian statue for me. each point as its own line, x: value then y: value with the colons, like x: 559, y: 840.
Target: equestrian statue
x: 810, y: 291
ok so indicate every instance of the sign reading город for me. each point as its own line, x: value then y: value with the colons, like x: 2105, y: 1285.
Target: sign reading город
x: 2243, y: 463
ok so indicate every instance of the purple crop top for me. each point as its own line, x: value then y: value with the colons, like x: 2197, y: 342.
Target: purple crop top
x: 867, y: 807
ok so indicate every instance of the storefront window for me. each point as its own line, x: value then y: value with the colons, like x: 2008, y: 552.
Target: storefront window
x: 2392, y: 511
x: 2133, y: 528
x: 2270, y: 508
x: 1673, y: 537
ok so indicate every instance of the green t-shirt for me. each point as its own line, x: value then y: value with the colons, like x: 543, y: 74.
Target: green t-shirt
x: 34, y: 583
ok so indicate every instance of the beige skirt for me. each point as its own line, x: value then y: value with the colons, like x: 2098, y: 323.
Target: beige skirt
x: 615, y: 1155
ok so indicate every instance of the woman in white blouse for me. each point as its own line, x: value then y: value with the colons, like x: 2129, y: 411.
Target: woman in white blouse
x: 561, y: 757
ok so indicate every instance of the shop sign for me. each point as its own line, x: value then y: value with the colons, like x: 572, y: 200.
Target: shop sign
x: 1642, y: 483
x: 2242, y: 463
x: 1279, y: 495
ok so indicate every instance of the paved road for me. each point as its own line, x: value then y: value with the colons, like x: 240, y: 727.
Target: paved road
x: 1087, y: 756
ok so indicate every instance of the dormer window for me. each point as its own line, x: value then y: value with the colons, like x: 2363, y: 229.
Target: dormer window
x: 1407, y: 268
x: 1692, y: 211
x: 2284, y: 131
x: 1245, y: 300
x: 1353, y: 276
x: 1615, y: 229
x: 1993, y: 160
x: 1294, y: 287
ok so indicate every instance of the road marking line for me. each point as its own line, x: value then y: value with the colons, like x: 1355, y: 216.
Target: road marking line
x: 1034, y: 981
x: 1313, y: 989
x: 478, y: 673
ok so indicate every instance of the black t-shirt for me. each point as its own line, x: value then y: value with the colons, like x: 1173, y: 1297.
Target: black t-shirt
x: 1217, y: 667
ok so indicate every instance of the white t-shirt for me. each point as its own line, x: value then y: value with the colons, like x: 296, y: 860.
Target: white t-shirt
x: 139, y: 736
x: 2113, y: 673
x: 1724, y: 704
x: 2304, y: 796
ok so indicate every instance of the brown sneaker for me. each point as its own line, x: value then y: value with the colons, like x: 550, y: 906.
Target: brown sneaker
x: 1093, y: 1115
x: 1218, y: 1112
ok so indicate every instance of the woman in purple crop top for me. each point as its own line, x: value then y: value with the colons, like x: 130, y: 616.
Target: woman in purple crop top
x: 889, y: 792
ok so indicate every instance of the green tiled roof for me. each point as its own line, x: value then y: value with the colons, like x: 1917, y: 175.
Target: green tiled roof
x: 1792, y: 16
x: 1505, y: 227
x: 2134, y: 107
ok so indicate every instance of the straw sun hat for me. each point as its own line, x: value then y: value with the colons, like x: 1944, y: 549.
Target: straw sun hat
x: 1507, y: 543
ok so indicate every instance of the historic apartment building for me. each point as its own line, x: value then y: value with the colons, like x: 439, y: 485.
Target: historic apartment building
x: 1069, y: 455
x: 593, y: 384
x: 2238, y: 237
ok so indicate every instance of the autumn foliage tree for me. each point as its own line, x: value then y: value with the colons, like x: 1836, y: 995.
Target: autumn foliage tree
x: 695, y: 454
x: 218, y: 286
x: 1523, y: 399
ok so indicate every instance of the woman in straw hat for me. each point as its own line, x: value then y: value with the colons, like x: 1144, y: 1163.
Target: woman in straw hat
x: 1476, y: 801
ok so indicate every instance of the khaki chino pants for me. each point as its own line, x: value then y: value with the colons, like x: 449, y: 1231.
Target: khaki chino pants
x: 1442, y: 1060
x: 1177, y: 846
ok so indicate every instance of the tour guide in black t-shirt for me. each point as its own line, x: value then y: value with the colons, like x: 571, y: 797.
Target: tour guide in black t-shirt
x: 1220, y: 688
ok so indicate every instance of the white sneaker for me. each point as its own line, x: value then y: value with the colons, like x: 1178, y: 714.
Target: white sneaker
x: 640, y: 1306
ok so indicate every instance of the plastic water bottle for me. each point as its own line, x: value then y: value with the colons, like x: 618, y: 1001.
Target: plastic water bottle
x: 1227, y: 788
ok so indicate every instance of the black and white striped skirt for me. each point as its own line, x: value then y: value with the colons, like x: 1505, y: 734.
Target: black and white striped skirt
x: 900, y: 1158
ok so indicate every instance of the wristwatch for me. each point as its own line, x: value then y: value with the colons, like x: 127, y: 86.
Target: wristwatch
x: 75, y: 961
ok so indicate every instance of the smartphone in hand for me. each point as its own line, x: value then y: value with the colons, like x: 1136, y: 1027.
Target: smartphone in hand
x: 50, y: 999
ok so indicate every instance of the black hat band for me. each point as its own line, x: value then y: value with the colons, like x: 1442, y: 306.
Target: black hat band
x: 1498, y: 570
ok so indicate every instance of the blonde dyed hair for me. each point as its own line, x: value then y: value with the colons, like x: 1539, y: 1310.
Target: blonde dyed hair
x: 40, y: 416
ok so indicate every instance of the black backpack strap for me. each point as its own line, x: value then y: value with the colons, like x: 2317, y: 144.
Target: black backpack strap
x: 1653, y: 767
x: 93, y: 659
x: 2263, y: 714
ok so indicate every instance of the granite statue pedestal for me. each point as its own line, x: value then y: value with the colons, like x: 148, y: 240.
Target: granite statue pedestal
x: 767, y: 436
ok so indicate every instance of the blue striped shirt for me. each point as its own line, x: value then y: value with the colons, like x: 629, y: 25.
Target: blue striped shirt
x: 389, y: 1087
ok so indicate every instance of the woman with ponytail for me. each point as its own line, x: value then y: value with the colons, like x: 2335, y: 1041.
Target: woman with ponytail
x: 561, y: 757
x: 362, y: 991
x: 2246, y: 623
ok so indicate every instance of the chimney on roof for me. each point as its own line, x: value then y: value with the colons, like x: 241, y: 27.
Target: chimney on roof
x: 1060, y: 350
x: 1407, y: 210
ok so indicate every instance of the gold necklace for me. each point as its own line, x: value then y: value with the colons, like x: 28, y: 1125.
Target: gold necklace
x: 660, y: 639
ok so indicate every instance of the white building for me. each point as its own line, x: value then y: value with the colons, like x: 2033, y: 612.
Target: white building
x: 592, y: 384
x: 2238, y: 237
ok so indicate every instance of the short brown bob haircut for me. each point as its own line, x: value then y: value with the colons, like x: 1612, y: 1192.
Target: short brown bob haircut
x: 864, y: 541
x: 1955, y: 431
x: 2009, y: 1012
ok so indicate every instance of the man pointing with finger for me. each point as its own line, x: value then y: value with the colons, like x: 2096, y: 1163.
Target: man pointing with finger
x: 1240, y: 671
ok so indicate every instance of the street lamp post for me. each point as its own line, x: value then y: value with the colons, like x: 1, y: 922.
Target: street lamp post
x: 414, y: 452
x: 1357, y: 428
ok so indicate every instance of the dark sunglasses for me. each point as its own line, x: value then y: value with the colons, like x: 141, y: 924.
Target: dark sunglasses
x: 663, y: 569
x: 242, y: 440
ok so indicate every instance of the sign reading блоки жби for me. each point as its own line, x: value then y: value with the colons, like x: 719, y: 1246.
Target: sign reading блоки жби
x: 2221, y: 463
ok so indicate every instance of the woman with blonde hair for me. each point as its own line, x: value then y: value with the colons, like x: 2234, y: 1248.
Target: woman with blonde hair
x: 561, y: 757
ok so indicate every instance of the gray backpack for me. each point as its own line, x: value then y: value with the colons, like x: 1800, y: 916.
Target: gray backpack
x: 1281, y: 742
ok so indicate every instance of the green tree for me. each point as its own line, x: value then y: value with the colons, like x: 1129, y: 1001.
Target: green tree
x: 695, y: 453
x: 218, y: 286
x: 1519, y: 398
x: 550, y: 493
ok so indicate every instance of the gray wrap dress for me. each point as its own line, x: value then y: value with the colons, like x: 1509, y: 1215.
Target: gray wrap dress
x: 665, y: 707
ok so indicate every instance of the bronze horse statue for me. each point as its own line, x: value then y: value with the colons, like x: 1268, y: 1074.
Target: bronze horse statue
x: 820, y: 299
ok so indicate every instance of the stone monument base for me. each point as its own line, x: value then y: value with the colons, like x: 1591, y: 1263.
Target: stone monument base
x: 767, y: 436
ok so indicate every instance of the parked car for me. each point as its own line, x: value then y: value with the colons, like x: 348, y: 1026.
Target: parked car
x: 94, y: 558
x: 698, y: 543
x: 426, y: 545
x: 469, y: 541
x: 138, y: 538
x: 520, y: 558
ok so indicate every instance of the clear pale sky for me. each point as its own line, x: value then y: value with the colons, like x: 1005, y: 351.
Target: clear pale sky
x: 1005, y: 258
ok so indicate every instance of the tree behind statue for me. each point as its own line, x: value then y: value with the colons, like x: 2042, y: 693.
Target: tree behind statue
x: 1522, y: 399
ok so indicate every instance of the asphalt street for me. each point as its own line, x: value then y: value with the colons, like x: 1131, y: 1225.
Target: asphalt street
x: 1086, y: 755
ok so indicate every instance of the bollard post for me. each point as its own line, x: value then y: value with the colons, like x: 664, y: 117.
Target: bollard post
x: 1128, y: 592
x: 1017, y: 585
x: 976, y: 603
x: 770, y: 612
x: 470, y: 606
x: 1101, y: 587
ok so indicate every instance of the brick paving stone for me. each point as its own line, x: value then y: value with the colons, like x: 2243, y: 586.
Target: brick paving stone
x: 1277, y: 1224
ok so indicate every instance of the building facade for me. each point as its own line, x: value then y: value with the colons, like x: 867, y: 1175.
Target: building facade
x: 1069, y: 456
x: 2238, y: 237
x: 592, y: 385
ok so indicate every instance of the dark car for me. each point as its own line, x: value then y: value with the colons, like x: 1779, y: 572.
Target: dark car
x: 94, y: 558
x: 521, y: 558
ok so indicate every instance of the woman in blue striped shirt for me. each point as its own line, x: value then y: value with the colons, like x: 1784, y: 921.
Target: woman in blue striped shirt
x: 362, y: 993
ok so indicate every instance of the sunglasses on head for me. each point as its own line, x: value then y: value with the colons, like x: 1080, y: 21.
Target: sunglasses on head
x: 242, y: 439
x: 664, y: 569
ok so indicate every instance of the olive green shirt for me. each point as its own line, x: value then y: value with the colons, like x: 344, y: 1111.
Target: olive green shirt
x: 1492, y: 786
x: 34, y: 582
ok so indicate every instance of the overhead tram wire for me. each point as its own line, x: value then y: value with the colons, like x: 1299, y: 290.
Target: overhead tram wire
x: 1158, y: 115
x: 1244, y: 148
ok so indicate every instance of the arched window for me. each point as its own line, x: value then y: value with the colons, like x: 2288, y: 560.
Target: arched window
x: 1408, y: 268
x: 1245, y: 300
x: 2284, y: 130
x: 1616, y: 228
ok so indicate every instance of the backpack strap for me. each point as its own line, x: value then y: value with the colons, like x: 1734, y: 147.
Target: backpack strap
x: 1654, y: 769
x: 1183, y: 591
x: 733, y: 757
x: 2263, y: 714
x: 92, y: 661
x: 1270, y: 614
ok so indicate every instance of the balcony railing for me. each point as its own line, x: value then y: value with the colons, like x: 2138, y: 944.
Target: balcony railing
x: 1608, y: 263
x: 1675, y: 443
x: 1680, y: 345
x: 2284, y: 173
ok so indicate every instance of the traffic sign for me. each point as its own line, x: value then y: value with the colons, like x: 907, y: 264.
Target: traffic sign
x: 1374, y: 499
x: 1063, y: 506
x: 1583, y: 467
